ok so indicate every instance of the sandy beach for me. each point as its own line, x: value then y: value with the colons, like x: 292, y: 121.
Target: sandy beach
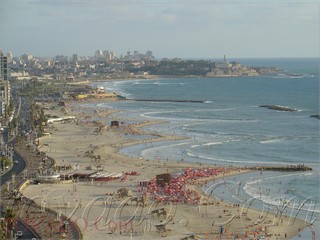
x: 140, y: 211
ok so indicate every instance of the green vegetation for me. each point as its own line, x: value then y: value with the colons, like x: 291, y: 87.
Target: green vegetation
x: 43, y: 88
x: 7, y: 225
x: 178, y: 68
x: 13, y: 124
x: 38, y: 117
x: 5, y: 162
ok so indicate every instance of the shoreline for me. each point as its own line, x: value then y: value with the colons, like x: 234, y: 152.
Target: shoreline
x: 60, y: 148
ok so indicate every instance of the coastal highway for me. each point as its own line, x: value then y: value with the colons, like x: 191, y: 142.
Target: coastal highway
x: 16, y: 169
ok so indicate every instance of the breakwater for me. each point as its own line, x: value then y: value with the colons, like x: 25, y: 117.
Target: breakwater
x: 289, y: 168
x: 279, y: 108
x: 164, y: 100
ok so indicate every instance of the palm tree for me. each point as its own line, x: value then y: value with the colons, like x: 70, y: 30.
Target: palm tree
x: 10, y: 221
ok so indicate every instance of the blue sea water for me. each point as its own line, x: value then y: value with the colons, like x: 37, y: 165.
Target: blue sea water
x: 229, y: 127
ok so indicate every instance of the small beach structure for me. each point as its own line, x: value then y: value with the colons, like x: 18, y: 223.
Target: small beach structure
x: 163, y: 179
x: 62, y: 119
x: 49, y: 178
x: 115, y: 124
x: 191, y: 237
x: 100, y: 90
x: 83, y: 174
x: 124, y: 192
x: 105, y: 176
x: 144, y: 183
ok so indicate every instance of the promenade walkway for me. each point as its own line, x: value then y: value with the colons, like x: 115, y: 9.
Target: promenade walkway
x: 43, y: 221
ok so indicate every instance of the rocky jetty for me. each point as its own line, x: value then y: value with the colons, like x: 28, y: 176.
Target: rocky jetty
x: 166, y: 100
x: 289, y: 168
x: 316, y: 116
x: 279, y: 108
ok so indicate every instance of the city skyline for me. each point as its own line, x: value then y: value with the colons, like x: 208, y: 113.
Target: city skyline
x: 186, y: 29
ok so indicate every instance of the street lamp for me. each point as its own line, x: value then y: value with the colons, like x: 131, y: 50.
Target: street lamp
x: 25, y: 173
x: 11, y: 152
x: 8, y: 186
x: 13, y: 176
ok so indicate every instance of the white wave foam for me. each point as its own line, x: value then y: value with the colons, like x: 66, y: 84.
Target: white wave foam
x: 100, y: 104
x: 271, y: 141
x: 213, y: 143
x: 214, y: 159
x: 195, y: 146
x: 281, y: 139
x: 252, y: 189
x: 151, y: 149
x: 162, y: 83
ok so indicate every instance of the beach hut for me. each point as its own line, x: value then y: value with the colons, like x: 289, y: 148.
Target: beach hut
x: 115, y: 124
x: 163, y: 179
x: 144, y: 183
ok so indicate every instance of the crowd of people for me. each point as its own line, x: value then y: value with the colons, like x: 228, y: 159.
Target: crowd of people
x: 177, y: 190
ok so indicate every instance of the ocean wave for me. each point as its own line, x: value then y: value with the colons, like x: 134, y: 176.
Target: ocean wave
x: 287, y: 199
x: 281, y: 139
x: 271, y: 141
x: 293, y: 76
x: 148, y: 82
x: 162, y: 83
x: 259, y: 180
x: 154, y: 149
x: 213, y: 143
x: 283, y: 202
x: 240, y: 162
x: 101, y: 104
x: 195, y: 146
x: 232, y: 161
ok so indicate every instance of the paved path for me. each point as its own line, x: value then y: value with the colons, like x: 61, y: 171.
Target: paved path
x: 34, y: 221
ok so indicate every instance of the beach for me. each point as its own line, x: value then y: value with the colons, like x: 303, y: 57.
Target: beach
x: 143, y: 211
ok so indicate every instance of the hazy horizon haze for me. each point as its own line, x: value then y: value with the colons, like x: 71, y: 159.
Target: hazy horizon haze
x: 185, y: 29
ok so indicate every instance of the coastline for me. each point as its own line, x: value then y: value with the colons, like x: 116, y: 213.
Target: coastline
x: 69, y: 142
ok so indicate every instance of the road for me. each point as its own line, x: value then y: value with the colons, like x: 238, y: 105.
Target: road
x: 16, y: 169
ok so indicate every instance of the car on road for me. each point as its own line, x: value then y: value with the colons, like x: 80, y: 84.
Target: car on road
x: 15, y: 161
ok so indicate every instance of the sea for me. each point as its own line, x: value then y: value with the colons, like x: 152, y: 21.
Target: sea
x: 224, y: 125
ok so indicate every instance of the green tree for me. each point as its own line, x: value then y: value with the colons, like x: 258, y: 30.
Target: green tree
x: 3, y: 234
x: 10, y: 221
x: 5, y: 162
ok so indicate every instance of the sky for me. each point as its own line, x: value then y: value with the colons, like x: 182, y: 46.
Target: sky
x: 169, y: 28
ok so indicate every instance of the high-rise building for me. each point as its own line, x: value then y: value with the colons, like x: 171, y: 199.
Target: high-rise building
x: 75, y: 57
x: 108, y: 55
x: 3, y: 67
x: 112, y: 54
x: 27, y: 57
x: 98, y: 54
x: 4, y: 84
x: 61, y: 58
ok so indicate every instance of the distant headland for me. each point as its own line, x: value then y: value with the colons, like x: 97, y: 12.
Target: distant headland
x: 106, y: 65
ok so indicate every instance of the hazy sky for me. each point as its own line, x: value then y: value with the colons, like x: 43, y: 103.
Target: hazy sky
x: 169, y: 28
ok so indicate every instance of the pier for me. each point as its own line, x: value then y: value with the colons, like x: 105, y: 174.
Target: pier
x: 289, y: 168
